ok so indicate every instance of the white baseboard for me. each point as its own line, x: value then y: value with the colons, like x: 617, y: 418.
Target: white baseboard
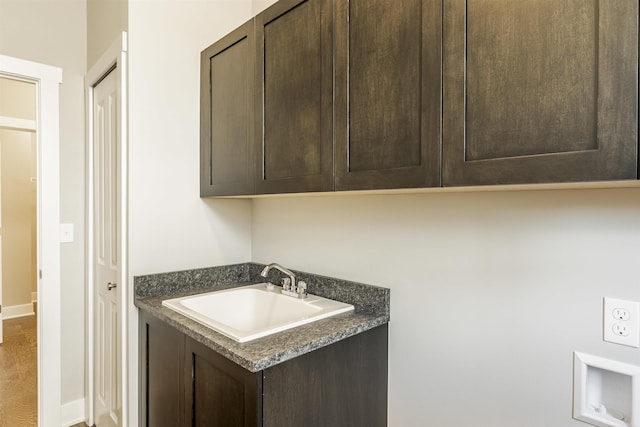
x: 34, y: 297
x: 73, y: 413
x: 14, y: 311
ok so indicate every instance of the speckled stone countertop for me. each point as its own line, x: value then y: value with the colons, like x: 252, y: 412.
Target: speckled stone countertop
x: 371, y: 310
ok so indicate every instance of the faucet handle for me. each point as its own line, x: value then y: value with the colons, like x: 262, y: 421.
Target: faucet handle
x: 286, y: 284
x: 265, y: 271
x: 302, y: 289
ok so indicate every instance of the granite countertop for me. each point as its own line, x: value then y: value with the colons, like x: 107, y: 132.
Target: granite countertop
x: 371, y: 310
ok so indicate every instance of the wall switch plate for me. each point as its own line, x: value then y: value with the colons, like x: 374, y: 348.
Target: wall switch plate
x: 66, y: 233
x: 621, y: 322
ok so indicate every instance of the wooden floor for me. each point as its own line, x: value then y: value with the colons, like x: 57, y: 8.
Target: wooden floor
x: 18, y: 373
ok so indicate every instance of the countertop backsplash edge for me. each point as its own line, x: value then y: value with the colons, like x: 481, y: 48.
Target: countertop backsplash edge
x: 365, y: 298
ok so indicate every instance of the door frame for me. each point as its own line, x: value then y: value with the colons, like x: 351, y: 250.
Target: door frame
x: 47, y: 80
x: 113, y: 60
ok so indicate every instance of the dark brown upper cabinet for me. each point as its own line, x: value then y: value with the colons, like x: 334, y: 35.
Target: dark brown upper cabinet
x: 323, y: 95
x: 539, y: 91
x: 388, y: 94
x: 226, y: 115
x: 294, y: 93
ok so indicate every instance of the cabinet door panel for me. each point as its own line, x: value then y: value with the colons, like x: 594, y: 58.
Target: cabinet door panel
x: 539, y: 91
x: 161, y: 351
x: 221, y: 393
x: 227, y: 138
x: 387, y: 94
x: 343, y: 384
x: 295, y: 93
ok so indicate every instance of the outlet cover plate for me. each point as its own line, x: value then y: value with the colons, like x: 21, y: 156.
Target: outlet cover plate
x: 621, y: 329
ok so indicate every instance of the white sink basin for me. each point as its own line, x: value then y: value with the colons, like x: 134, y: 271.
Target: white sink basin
x: 251, y: 312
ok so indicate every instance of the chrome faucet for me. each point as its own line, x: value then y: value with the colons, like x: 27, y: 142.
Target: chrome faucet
x: 289, y: 285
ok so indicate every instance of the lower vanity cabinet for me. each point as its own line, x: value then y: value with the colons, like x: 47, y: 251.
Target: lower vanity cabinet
x: 161, y: 379
x: 343, y: 384
x: 217, y: 391
x: 185, y: 383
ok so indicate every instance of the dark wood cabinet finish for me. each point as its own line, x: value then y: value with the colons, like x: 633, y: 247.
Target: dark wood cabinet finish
x: 219, y: 392
x: 184, y: 383
x: 539, y: 91
x: 226, y: 115
x: 388, y: 86
x: 373, y: 94
x: 294, y: 92
x: 161, y: 369
x: 344, y: 384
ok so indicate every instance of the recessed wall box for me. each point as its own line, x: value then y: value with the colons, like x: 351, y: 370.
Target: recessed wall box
x: 606, y: 393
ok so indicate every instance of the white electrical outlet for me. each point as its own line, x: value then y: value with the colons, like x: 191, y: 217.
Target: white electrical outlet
x: 621, y: 314
x: 621, y: 322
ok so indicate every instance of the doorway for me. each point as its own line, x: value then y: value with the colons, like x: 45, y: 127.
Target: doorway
x: 46, y: 80
x: 18, y: 243
x: 18, y: 263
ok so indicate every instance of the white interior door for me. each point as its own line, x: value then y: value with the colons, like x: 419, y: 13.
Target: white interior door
x: 107, y: 260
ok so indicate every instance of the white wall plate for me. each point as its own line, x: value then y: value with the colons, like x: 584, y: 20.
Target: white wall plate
x: 606, y: 393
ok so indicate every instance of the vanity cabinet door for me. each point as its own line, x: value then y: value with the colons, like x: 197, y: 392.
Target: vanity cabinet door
x: 161, y: 360
x: 294, y: 93
x: 539, y: 91
x: 226, y: 115
x: 343, y: 384
x: 388, y: 85
x: 220, y: 393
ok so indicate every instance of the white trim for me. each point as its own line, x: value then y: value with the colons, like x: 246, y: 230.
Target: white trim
x: 73, y: 413
x: 47, y: 80
x: 582, y: 407
x: 15, y: 311
x: 115, y: 58
x: 13, y: 123
x: 29, y: 71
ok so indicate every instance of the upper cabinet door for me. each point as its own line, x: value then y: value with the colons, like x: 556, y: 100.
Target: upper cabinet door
x: 226, y: 115
x: 294, y: 91
x: 539, y: 91
x: 388, y: 93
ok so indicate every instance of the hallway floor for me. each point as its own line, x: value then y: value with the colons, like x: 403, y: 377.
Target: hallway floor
x: 18, y: 373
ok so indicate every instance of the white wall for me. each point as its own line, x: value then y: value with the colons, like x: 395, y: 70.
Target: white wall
x: 170, y: 227
x: 53, y: 32
x: 260, y: 5
x: 106, y: 20
x: 490, y: 292
x: 17, y: 99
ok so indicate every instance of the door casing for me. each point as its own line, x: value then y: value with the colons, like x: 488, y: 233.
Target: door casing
x: 47, y: 80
